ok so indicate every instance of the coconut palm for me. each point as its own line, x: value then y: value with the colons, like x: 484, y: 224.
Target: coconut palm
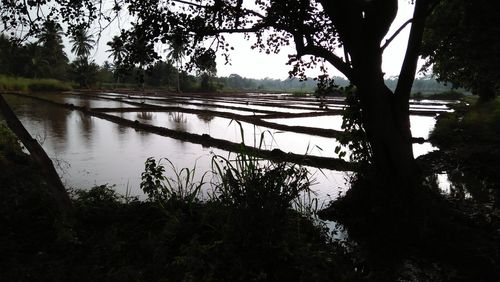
x: 117, y: 49
x: 118, y: 52
x: 82, y: 42
x: 176, y: 53
x: 51, y: 35
x: 52, y: 50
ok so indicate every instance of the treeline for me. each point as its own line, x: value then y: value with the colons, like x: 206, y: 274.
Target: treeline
x: 45, y: 58
x: 237, y: 83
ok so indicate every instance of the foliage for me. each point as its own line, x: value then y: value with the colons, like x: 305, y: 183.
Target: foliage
x: 462, y: 46
x: 50, y: 40
x: 82, y: 42
x: 248, y: 185
x: 117, y: 239
x: 162, y: 189
x: 31, y: 60
x: 355, y: 135
x: 161, y: 74
x: 474, y: 132
x: 9, y: 146
x: 84, y: 72
x: 447, y: 95
x: 326, y: 86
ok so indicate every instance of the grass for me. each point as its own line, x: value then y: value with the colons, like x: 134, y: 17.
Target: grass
x: 35, y: 85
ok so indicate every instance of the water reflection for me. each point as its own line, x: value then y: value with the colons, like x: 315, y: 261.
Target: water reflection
x: 205, y: 117
x: 179, y: 121
x: 100, y: 151
x: 145, y: 116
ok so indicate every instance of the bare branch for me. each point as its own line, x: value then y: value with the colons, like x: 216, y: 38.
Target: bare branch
x: 388, y: 41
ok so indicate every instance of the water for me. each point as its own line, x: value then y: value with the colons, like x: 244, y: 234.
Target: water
x: 90, y: 151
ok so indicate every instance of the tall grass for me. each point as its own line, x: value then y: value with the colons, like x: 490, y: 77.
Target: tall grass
x: 8, y: 83
x: 162, y: 189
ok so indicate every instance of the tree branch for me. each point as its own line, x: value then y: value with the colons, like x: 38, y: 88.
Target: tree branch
x: 388, y: 41
x: 319, y: 51
x: 408, y: 69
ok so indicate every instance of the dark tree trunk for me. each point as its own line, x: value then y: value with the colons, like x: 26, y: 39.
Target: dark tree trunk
x: 56, y: 187
x: 485, y: 91
x: 387, y: 125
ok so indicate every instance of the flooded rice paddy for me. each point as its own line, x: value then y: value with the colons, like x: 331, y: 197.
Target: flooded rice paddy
x: 89, y: 150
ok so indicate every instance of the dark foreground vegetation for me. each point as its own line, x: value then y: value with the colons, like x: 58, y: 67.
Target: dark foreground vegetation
x: 245, y: 231
x: 431, y: 235
x: 469, y: 140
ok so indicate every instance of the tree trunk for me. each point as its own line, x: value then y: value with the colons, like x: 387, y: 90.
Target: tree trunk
x: 55, y: 186
x: 388, y: 128
x: 485, y: 91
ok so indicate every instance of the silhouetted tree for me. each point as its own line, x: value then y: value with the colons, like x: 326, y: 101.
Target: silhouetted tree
x: 461, y: 44
x: 52, y: 50
x: 81, y: 42
x: 118, y: 52
x: 177, y: 44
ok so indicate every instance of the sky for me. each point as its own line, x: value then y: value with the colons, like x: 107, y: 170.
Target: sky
x: 252, y: 64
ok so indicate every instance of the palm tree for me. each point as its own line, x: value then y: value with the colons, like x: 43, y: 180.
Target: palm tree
x: 118, y: 52
x: 177, y: 53
x: 51, y: 34
x: 82, y: 42
x: 117, y: 49
x: 52, y: 49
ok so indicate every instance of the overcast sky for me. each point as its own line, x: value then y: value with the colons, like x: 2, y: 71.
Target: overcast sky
x: 252, y: 64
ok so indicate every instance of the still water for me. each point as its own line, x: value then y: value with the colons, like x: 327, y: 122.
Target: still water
x: 89, y: 151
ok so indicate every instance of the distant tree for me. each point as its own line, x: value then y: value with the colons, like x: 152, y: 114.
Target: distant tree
x: 84, y: 72
x: 161, y: 74
x: 117, y: 49
x: 205, y: 60
x: 52, y: 50
x: 462, y: 45
x: 177, y: 44
x: 81, y: 42
x: 118, y: 52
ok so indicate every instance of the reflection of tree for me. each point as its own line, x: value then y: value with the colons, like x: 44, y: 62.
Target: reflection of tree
x: 42, y: 120
x: 205, y: 117
x: 86, y: 127
x: 57, y: 120
x: 145, y: 115
x: 178, y: 119
x: 465, y: 183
